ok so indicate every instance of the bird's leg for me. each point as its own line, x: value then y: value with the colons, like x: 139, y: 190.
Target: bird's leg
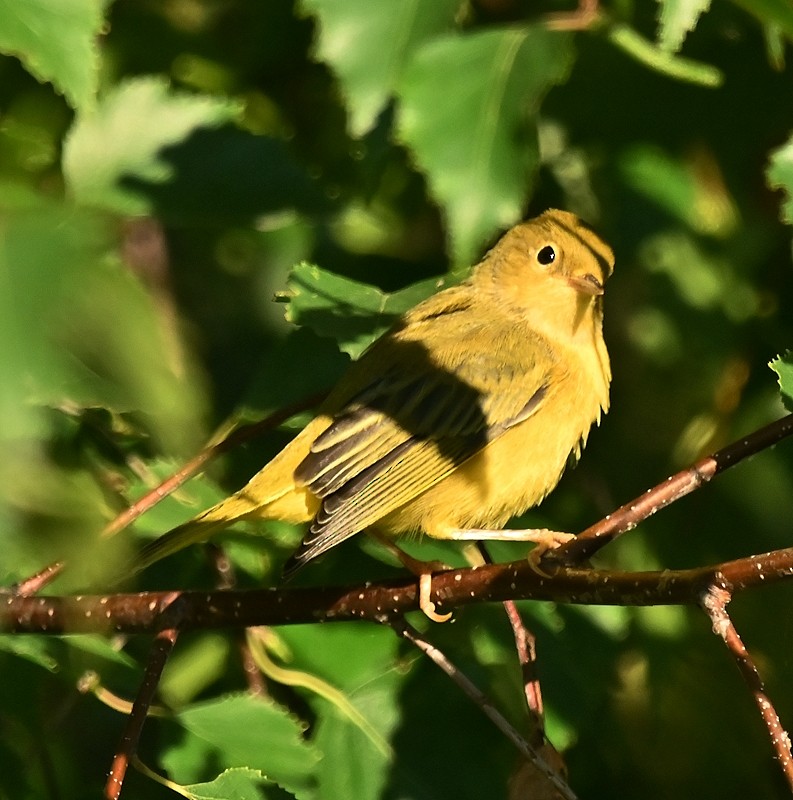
x: 543, y: 538
x: 422, y: 570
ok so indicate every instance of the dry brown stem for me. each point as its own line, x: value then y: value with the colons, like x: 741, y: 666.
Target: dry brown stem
x: 714, y: 601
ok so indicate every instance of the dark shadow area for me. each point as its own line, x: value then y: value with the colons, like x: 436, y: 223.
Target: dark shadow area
x: 226, y: 176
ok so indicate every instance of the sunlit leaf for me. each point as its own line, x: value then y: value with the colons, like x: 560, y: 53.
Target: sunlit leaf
x: 193, y: 668
x: 54, y: 264
x: 124, y: 136
x: 92, y: 333
x: 678, y: 187
x: 367, y: 45
x: 247, y: 731
x: 663, y: 179
x: 780, y: 176
x: 357, y: 758
x: 351, y: 312
x: 783, y: 366
x: 352, y: 766
x: 702, y: 280
x: 57, y: 41
x: 480, y: 152
x: 677, y: 19
x: 101, y: 648
x: 37, y: 651
x: 233, y: 784
x: 77, y: 330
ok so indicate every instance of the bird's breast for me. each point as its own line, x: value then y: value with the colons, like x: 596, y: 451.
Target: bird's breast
x: 513, y: 472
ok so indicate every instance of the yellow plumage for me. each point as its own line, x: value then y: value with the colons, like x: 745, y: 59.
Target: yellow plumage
x: 461, y: 416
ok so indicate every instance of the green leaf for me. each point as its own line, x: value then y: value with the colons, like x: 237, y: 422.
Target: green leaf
x: 56, y: 40
x: 193, y: 668
x: 200, y: 492
x: 341, y: 654
x: 357, y: 759
x: 678, y: 18
x: 663, y: 61
x: 37, y: 651
x: 367, y: 45
x: 352, y: 766
x: 775, y: 46
x: 241, y: 730
x: 100, y: 647
x: 779, y: 175
x: 351, y: 312
x: 91, y: 332
x: 67, y: 505
x: 783, y: 366
x: 124, y: 136
x: 480, y: 152
x: 771, y: 12
x: 702, y: 280
x: 233, y: 784
x: 663, y: 179
x: 47, y: 259
x: 675, y: 186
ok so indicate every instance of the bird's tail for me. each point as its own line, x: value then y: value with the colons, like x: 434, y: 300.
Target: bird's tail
x: 270, y: 494
x: 199, y: 529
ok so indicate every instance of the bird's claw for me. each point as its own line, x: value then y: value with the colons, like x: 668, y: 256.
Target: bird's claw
x: 549, y: 540
x: 425, y: 603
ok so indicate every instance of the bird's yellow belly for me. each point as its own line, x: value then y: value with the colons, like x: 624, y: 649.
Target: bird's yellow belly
x: 510, y: 475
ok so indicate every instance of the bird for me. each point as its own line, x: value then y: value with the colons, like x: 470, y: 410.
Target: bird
x: 462, y: 415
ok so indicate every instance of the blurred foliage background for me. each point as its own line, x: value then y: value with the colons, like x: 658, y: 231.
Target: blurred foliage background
x: 164, y: 165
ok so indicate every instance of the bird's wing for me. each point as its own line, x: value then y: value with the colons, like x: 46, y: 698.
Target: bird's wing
x: 412, y: 425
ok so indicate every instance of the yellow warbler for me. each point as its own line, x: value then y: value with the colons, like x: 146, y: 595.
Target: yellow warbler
x: 461, y: 416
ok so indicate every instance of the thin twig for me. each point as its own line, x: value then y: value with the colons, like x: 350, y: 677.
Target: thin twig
x: 525, y: 647
x: 35, y: 583
x: 714, y: 602
x: 90, y: 682
x: 227, y: 579
x: 163, y: 645
x: 147, y: 612
x: 237, y: 437
x: 579, y: 19
x: 676, y: 486
x: 407, y: 631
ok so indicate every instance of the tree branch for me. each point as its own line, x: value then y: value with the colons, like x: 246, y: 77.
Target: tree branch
x: 163, y: 645
x: 148, y: 612
x: 714, y: 602
x: 531, y: 753
x: 628, y: 516
x: 136, y: 613
x: 192, y: 467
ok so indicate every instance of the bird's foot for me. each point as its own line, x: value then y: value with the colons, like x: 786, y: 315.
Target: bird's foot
x: 423, y: 571
x: 425, y: 603
x: 546, y: 541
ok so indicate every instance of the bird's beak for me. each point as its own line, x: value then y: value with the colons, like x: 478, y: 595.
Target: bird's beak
x: 586, y: 284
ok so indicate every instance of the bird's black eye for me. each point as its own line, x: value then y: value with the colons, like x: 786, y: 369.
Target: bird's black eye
x: 546, y: 255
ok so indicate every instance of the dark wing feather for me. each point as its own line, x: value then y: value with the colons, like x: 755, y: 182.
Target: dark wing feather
x: 397, y: 436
